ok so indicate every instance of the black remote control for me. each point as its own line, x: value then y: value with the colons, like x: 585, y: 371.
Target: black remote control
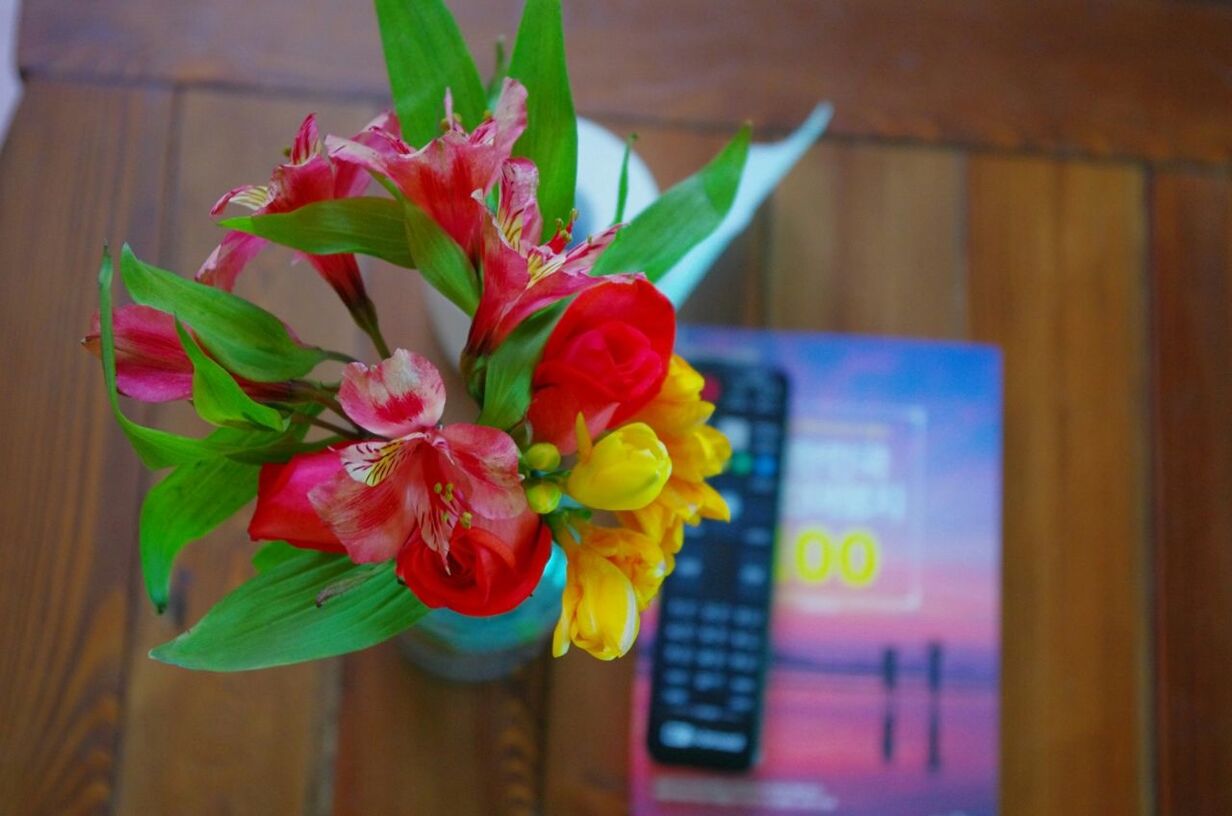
x: 712, y: 644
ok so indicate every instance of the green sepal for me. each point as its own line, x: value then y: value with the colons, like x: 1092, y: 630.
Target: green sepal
x: 218, y: 398
x: 508, y: 370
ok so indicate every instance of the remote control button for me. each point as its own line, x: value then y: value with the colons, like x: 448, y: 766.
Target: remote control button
x: 676, y: 654
x: 766, y: 465
x: 710, y: 659
x: 749, y: 616
x: 736, y: 430
x: 706, y: 712
x: 735, y: 504
x: 743, y: 661
x: 681, y: 608
x: 750, y: 641
x: 705, y: 681
x: 753, y: 575
x: 716, y: 612
x: 676, y: 677
x: 743, y: 684
x: 758, y: 537
x: 674, y: 696
x: 679, y: 631
x: 741, y: 704
x: 688, y: 567
x: 712, y: 635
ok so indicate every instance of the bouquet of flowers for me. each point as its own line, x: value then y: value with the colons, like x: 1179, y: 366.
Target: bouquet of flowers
x: 591, y: 433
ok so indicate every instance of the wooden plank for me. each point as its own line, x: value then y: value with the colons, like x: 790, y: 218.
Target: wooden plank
x: 870, y: 239
x: 257, y: 738
x: 1057, y: 280
x: 1123, y: 78
x: 1191, y: 278
x: 81, y: 166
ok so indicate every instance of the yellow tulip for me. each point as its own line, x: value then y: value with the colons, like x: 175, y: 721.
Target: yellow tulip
x: 598, y: 609
x: 624, y: 470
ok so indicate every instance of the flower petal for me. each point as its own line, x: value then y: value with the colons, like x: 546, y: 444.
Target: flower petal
x: 150, y: 362
x: 229, y: 259
x: 518, y: 215
x: 283, y: 511
x: 485, y: 462
x: 394, y: 398
x: 372, y: 462
x: 371, y: 522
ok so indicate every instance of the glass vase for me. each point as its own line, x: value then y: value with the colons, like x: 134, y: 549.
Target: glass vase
x: 471, y: 649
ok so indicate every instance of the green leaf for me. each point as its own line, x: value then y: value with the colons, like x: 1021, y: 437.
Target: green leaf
x: 622, y: 188
x: 218, y: 398
x: 506, y: 393
x: 665, y: 231
x: 157, y: 449
x: 425, y: 54
x: 273, y: 619
x: 550, y: 140
x: 441, y: 261
x: 368, y: 226
x: 190, y: 502
x: 273, y: 553
x: 245, y: 338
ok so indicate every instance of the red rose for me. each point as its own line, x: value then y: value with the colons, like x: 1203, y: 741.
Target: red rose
x: 492, y: 566
x: 283, y: 512
x: 606, y: 358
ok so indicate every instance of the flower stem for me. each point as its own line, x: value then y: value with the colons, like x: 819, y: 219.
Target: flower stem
x: 337, y: 429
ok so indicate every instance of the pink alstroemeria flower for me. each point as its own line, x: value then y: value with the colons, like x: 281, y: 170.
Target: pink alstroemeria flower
x: 450, y: 177
x: 151, y: 364
x: 419, y: 483
x: 308, y: 177
x: 520, y: 276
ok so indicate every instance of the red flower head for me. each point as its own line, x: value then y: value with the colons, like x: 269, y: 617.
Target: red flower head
x: 446, y: 502
x: 310, y: 176
x: 606, y: 359
x: 449, y: 177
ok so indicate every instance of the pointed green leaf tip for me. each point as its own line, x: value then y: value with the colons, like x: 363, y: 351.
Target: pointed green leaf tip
x: 550, y: 140
x: 681, y: 218
x: 425, y: 55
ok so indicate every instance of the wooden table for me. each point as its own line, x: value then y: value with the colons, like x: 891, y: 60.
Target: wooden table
x: 1050, y: 177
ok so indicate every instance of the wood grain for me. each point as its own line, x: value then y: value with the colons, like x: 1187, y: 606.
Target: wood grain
x: 257, y: 737
x: 1056, y: 254
x: 81, y: 166
x: 1125, y: 78
x: 870, y: 239
x: 1191, y: 279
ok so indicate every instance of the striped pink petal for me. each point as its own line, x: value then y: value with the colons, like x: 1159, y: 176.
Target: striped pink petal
x: 397, y: 397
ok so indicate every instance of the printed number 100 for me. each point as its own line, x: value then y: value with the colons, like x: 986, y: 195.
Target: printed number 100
x: 855, y: 557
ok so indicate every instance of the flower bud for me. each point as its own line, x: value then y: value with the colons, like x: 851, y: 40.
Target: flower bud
x: 543, y: 497
x: 542, y: 456
x: 625, y: 470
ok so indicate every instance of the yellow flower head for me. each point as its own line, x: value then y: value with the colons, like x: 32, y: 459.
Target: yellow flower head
x: 635, y: 554
x: 598, y: 609
x: 625, y: 470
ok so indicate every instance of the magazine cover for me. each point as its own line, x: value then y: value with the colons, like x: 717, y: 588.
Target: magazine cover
x: 881, y: 693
